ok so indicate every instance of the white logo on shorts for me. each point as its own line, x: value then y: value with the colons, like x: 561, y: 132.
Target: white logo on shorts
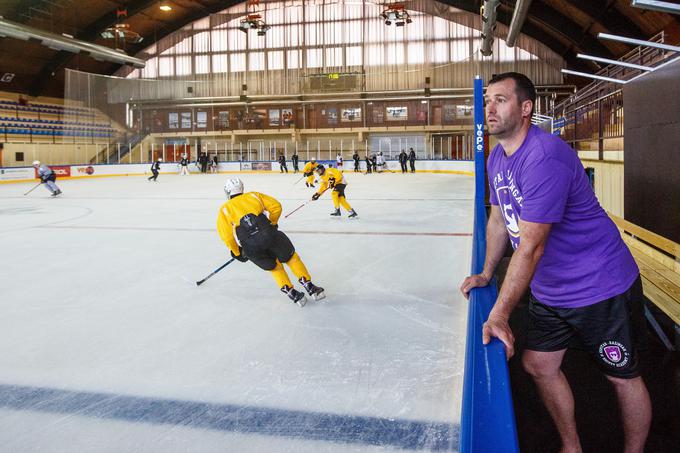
x: 614, y: 354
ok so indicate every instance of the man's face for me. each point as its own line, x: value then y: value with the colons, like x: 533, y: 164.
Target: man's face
x: 503, y: 110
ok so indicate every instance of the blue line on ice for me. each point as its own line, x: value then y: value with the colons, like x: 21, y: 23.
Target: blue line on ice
x: 405, y: 434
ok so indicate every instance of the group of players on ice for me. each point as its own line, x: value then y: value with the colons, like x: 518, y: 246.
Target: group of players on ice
x: 250, y: 234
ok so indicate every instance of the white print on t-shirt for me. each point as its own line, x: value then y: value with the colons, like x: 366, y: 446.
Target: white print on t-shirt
x: 504, y: 194
x: 511, y: 187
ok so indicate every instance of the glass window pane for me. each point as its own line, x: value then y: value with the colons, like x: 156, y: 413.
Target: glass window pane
x: 460, y: 50
x: 354, y: 10
x: 333, y: 33
x: 219, y: 40
x: 440, y: 27
x: 293, y: 14
x: 237, y: 62
x: 256, y: 41
x: 256, y: 61
x: 236, y: 40
x: 220, y: 63
x: 334, y: 56
x: 202, y: 64
x: 183, y: 65
x: 275, y: 60
x: 439, y: 52
x: 292, y: 36
x: 416, y: 53
x: 274, y: 15
x: 184, y: 46
x: 312, y: 12
x: 311, y: 38
x: 314, y: 58
x: 354, y: 31
x: 374, y: 55
x: 375, y: 30
x: 395, y: 53
x: 293, y: 59
x: 354, y: 56
x: 202, y: 42
x: 166, y: 66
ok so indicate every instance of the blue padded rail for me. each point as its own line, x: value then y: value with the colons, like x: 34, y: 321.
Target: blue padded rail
x: 487, y: 419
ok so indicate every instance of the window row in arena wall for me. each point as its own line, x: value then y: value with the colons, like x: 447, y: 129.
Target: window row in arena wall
x: 339, y: 36
x: 311, y: 116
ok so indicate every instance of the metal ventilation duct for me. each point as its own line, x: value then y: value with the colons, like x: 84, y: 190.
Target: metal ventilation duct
x: 656, y: 5
x: 58, y: 42
x: 488, y: 25
x: 518, y: 18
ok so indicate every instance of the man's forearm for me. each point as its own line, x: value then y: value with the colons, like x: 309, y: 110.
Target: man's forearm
x: 520, y: 271
x: 496, y: 242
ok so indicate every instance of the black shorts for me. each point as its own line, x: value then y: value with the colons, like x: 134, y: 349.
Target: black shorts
x: 611, y: 331
x: 264, y: 250
x: 340, y: 189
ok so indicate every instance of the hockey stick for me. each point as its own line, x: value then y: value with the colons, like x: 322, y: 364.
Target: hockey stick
x: 301, y: 178
x: 36, y: 186
x: 299, y: 207
x: 200, y: 282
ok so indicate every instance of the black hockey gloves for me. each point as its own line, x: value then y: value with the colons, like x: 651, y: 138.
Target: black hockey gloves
x: 240, y: 257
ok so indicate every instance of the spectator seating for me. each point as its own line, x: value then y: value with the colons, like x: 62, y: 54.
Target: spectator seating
x: 46, y: 120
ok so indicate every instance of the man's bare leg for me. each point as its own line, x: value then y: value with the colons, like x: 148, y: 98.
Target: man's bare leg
x: 544, y: 368
x: 636, y: 411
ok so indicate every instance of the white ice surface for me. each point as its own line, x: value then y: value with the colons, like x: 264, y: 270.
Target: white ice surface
x: 97, y: 297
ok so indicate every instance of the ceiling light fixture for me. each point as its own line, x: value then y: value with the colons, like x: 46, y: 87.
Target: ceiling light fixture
x: 120, y: 33
x: 253, y: 20
x: 397, y: 14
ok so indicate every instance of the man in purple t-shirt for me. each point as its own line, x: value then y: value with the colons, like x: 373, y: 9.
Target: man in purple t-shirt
x: 585, y: 285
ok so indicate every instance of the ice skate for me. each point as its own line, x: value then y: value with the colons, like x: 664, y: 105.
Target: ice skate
x: 316, y: 292
x: 336, y: 213
x: 296, y: 296
x: 353, y: 215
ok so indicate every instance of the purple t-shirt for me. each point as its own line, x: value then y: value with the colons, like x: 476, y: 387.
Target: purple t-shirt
x: 585, y: 260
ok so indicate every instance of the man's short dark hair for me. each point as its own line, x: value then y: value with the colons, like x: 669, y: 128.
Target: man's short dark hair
x: 524, y: 87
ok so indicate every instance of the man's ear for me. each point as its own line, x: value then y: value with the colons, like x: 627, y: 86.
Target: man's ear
x: 527, y: 107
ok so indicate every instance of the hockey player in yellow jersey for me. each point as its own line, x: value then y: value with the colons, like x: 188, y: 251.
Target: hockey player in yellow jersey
x: 332, y: 178
x: 308, y: 171
x: 251, y: 235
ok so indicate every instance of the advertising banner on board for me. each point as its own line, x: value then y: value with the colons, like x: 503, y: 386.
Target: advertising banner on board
x: 61, y: 171
x: 9, y: 174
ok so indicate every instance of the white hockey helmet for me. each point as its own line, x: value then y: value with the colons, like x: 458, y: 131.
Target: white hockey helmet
x: 160, y: 159
x: 233, y: 187
x: 36, y: 163
x: 313, y: 159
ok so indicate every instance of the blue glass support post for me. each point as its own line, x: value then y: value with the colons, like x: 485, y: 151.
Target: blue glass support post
x: 487, y: 419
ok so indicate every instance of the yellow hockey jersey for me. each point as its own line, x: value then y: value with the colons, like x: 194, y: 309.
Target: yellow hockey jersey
x: 235, y: 209
x: 310, y: 167
x: 330, y: 178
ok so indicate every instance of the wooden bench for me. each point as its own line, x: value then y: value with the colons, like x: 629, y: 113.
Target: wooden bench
x: 658, y: 260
